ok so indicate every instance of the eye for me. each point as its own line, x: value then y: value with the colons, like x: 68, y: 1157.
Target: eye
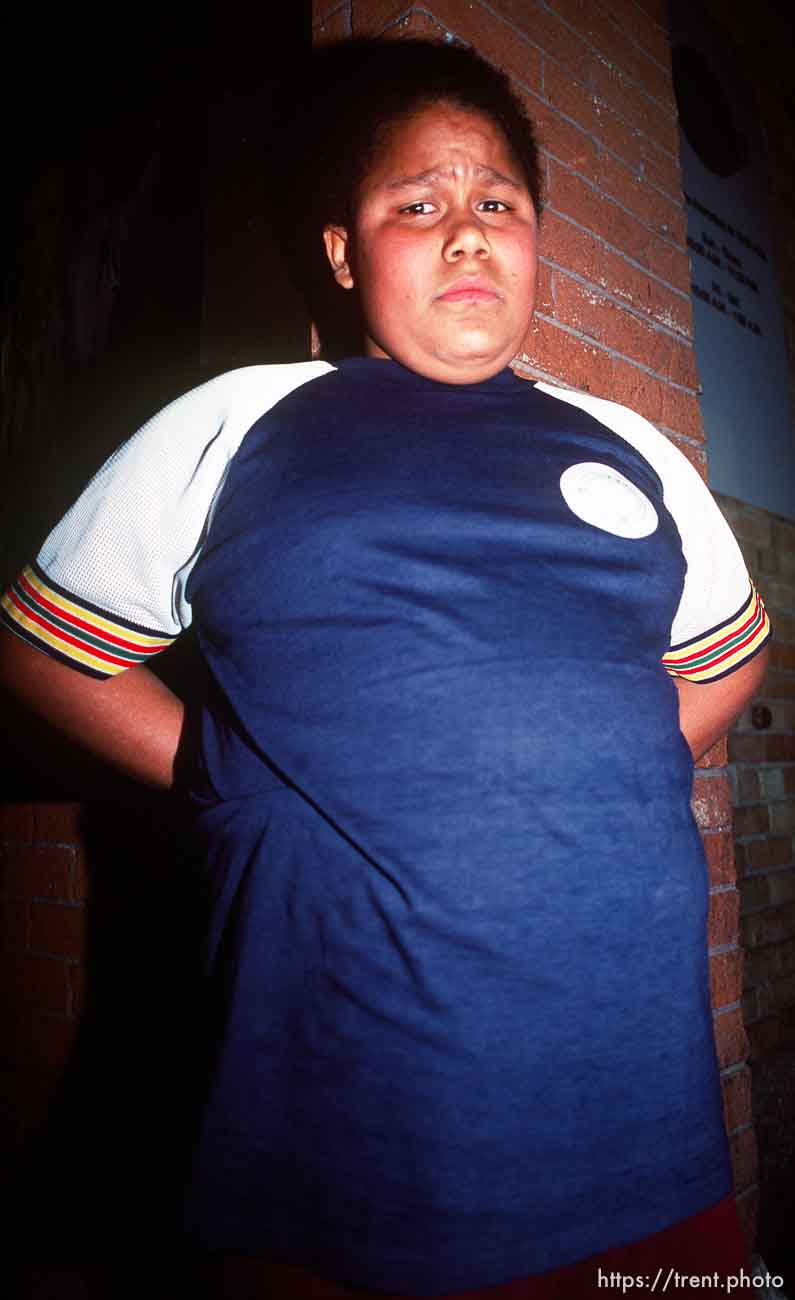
x: 494, y: 205
x: 419, y: 209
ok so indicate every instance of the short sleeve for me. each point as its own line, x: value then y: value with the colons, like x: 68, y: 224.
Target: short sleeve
x: 108, y: 588
x: 721, y: 621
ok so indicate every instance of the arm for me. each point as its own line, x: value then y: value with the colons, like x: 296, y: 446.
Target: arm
x: 131, y: 721
x: 707, y: 710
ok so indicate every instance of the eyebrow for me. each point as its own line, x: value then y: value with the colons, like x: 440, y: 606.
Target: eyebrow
x: 428, y: 177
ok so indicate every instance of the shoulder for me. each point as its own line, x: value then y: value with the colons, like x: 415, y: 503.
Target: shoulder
x: 232, y: 401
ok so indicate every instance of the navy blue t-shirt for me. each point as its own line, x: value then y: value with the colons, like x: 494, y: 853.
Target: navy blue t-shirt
x: 459, y: 911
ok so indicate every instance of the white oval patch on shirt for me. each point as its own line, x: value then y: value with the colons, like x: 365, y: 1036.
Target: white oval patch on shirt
x: 601, y: 496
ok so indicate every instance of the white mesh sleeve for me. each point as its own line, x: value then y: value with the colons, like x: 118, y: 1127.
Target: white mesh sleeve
x: 128, y: 544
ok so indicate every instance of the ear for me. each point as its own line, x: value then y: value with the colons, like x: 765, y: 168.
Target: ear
x: 337, y: 244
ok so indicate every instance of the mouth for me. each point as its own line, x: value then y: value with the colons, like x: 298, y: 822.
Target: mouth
x: 470, y: 288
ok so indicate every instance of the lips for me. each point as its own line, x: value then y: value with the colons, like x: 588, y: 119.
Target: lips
x: 470, y: 288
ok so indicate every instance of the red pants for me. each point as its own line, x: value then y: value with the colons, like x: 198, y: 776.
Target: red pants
x: 708, y: 1243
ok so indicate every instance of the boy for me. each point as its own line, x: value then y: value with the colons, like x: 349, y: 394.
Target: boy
x: 458, y: 941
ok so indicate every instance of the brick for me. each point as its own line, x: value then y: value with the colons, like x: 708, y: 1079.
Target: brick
x: 782, y: 886
x: 413, y: 23
x: 769, y: 926
x: 14, y: 924
x: 749, y: 1006
x: 744, y: 1158
x: 570, y: 98
x: 81, y: 879
x: 565, y: 357
x: 496, y: 40
x: 760, y: 969
x: 682, y: 412
x: 641, y: 28
x: 719, y: 850
x: 751, y: 820
x: 749, y: 785
x: 655, y: 120
x: 778, y: 749
x: 617, y: 135
x: 768, y: 561
x: 783, y: 535
x: 566, y: 245
x: 544, y: 29
x: 570, y: 195
x: 785, y: 628
x: 662, y: 170
x: 370, y: 18
x: 782, y: 816
x: 656, y: 9
x: 58, y: 929
x: 763, y: 1036
x: 779, y: 685
x: 35, y: 871
x: 560, y: 138
x: 722, y: 924
x: 725, y: 972
x: 574, y: 249
x: 333, y: 25
x: 711, y: 803
x: 628, y: 187
x: 751, y: 557
x: 58, y: 823
x: 731, y: 1040
x: 736, y: 1089
x: 782, y: 712
x: 545, y: 289
x: 36, y: 1039
x: 754, y: 527
x: 77, y: 989
x: 616, y: 48
x: 780, y: 595
x: 35, y: 983
x: 748, y: 1213
x: 590, y: 312
x: 782, y: 994
x: 16, y: 822
x: 717, y: 755
x: 723, y: 919
x: 772, y: 781
x: 754, y: 892
x: 770, y: 852
x: 669, y: 261
x: 746, y: 748
x: 324, y: 9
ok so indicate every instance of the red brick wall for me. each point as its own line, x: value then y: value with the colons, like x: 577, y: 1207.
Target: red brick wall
x: 614, y: 311
x: 42, y: 905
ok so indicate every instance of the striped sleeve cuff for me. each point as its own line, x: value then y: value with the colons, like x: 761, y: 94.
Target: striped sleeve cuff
x: 75, y: 632
x: 724, y: 648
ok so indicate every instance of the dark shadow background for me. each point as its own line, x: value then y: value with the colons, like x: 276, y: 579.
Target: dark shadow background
x: 137, y: 259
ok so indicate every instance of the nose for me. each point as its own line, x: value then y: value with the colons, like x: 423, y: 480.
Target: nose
x: 466, y: 237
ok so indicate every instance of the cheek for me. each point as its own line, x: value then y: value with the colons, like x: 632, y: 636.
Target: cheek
x: 393, y: 277
x: 523, y: 262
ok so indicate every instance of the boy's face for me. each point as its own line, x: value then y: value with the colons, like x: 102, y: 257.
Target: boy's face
x: 443, y: 251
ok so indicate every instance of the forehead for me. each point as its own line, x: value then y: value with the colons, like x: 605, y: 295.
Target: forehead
x: 441, y: 140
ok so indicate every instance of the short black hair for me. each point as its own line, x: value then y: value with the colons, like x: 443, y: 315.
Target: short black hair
x: 376, y: 84
x: 330, y: 124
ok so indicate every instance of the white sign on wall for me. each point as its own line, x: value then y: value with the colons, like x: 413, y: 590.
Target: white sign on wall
x: 739, y: 328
